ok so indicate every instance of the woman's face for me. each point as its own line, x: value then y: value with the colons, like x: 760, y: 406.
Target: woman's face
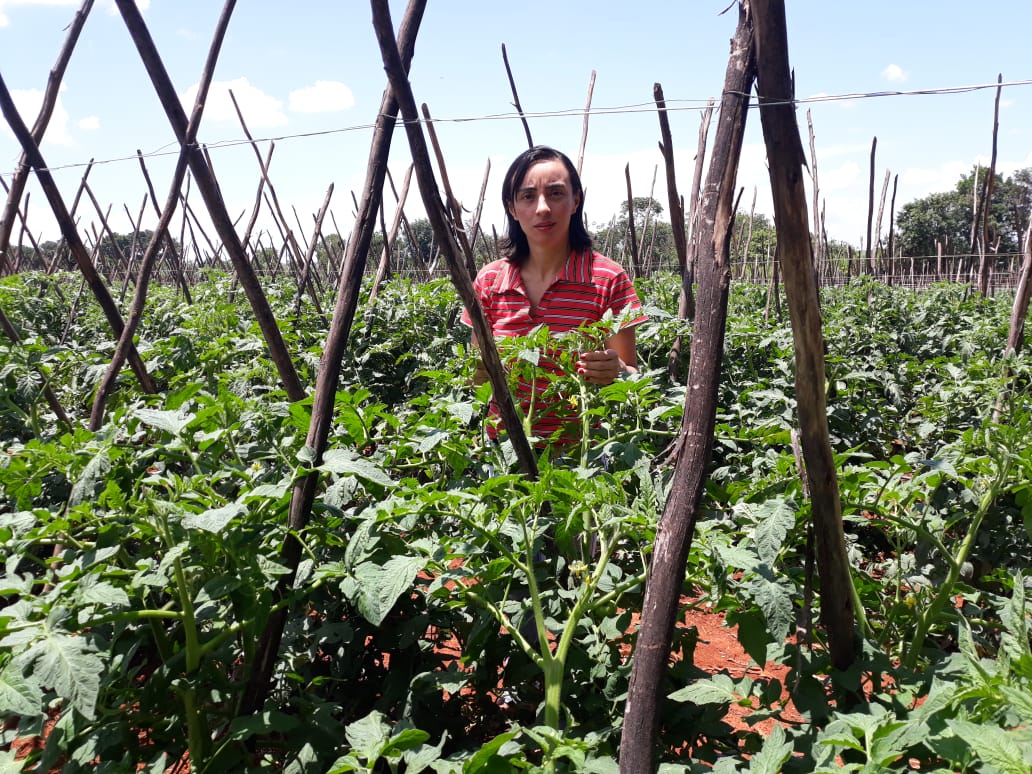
x: 543, y: 204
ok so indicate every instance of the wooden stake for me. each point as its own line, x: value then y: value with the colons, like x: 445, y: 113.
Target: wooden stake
x: 786, y: 158
x: 516, y: 97
x: 673, y: 541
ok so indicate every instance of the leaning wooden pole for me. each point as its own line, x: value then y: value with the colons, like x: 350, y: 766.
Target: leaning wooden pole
x: 677, y: 524
x: 150, y: 254
x: 68, y: 230
x: 350, y: 284
x: 870, y: 208
x: 449, y: 247
x: 22, y: 169
x: 208, y: 186
x: 987, y: 199
x: 674, y: 201
x: 584, y: 125
x: 1022, y: 294
x: 516, y: 97
x: 453, y: 206
x: 636, y: 268
x: 786, y: 161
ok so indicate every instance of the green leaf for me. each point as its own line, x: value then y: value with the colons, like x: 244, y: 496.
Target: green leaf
x: 19, y: 695
x: 102, y: 593
x: 68, y: 665
x: 368, y: 735
x: 10, y: 762
x: 774, y: 519
x: 719, y: 689
x: 265, y: 723
x: 775, y: 600
x: 432, y: 439
x: 174, y: 422
x: 215, y: 519
x: 94, y: 473
x: 380, y: 587
x: 344, y: 462
x: 752, y: 633
x: 463, y: 412
x: 418, y: 760
x: 481, y: 760
x: 264, y: 492
x: 1015, y: 639
x: 773, y: 754
x: 403, y: 741
x: 992, y: 745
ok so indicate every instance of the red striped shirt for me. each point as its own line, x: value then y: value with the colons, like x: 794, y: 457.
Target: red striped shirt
x: 588, y: 286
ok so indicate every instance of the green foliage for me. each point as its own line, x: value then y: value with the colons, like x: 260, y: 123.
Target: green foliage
x: 946, y: 218
x: 443, y: 618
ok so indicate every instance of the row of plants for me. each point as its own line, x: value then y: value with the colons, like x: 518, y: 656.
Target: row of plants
x: 451, y: 615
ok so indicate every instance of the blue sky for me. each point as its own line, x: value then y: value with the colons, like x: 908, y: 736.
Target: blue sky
x: 309, y: 74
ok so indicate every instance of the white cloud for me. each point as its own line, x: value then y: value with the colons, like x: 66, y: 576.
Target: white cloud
x: 894, y: 73
x: 838, y: 178
x: 28, y: 102
x: 89, y: 123
x: 920, y: 182
x: 323, y: 97
x: 259, y: 109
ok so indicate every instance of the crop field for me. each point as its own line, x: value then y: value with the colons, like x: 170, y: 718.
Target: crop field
x: 448, y: 613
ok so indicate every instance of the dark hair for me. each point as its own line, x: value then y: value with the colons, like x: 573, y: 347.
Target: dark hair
x: 514, y: 243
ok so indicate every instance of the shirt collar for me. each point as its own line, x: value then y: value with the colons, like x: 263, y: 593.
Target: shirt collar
x: 576, y: 269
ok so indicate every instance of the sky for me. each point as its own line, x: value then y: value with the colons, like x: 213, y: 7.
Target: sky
x: 309, y: 77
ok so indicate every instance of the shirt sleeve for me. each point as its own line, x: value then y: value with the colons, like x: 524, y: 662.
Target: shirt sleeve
x: 622, y: 295
x: 479, y: 284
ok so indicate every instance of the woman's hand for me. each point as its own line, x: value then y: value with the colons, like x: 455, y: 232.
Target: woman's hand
x: 601, y: 366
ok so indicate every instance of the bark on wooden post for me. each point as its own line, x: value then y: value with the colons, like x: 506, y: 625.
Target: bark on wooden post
x: 584, y: 126
x: 674, y: 202
x: 303, y: 495
x: 879, y: 255
x: 892, y: 217
x: 786, y: 160
x: 990, y: 181
x: 1022, y: 294
x: 449, y: 247
x: 870, y: 209
x: 677, y: 524
x: 516, y: 97
x: 633, y: 238
x: 453, y: 206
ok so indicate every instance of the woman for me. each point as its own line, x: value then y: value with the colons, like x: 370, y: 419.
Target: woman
x: 551, y: 276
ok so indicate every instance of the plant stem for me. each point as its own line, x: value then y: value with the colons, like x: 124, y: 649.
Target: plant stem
x: 945, y: 591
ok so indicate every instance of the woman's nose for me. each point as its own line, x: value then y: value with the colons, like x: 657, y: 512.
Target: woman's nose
x: 542, y: 203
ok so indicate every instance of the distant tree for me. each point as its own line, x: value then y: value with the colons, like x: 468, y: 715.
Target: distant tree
x: 946, y: 217
x: 424, y: 248
x: 655, y: 236
x: 329, y: 253
x: 937, y: 218
x: 754, y: 245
